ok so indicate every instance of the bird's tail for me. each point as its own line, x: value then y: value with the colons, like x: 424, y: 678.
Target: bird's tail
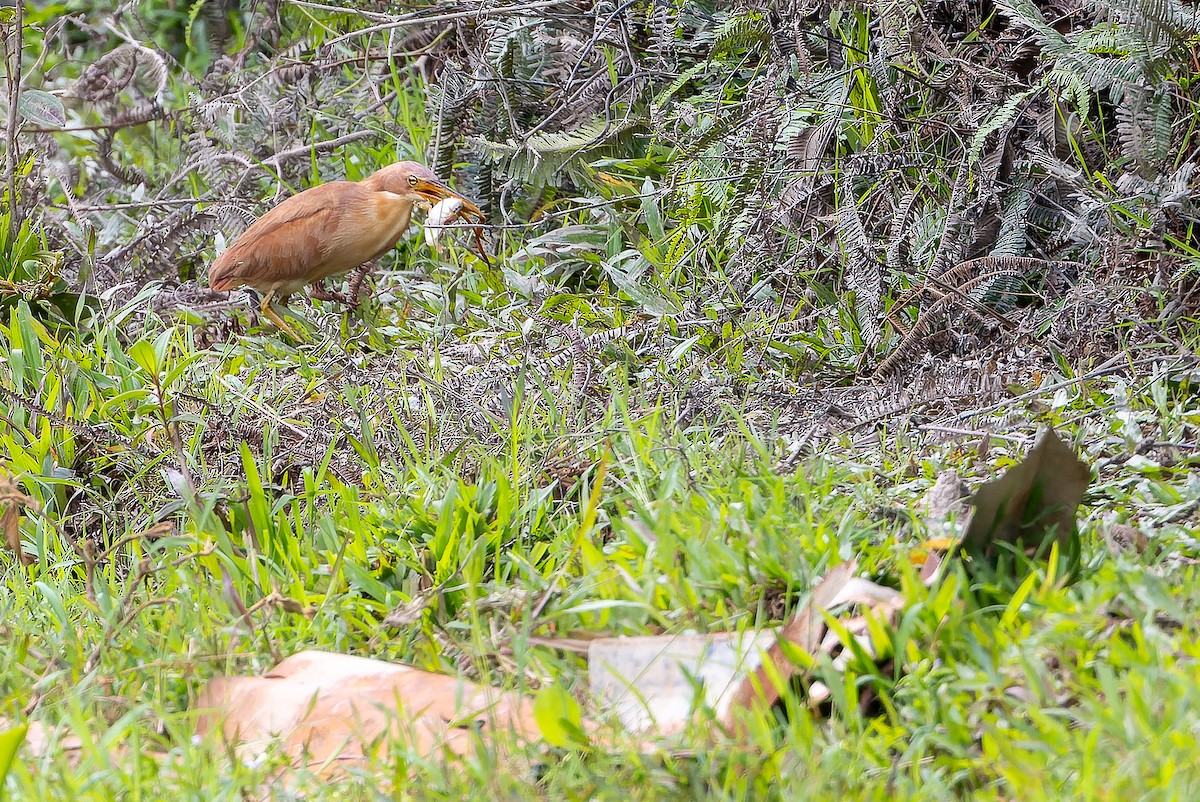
x: 221, y: 276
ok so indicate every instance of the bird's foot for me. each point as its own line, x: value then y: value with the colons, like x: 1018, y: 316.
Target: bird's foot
x: 320, y: 292
x: 270, y: 314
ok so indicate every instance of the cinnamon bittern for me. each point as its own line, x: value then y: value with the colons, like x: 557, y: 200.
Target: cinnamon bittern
x: 327, y: 231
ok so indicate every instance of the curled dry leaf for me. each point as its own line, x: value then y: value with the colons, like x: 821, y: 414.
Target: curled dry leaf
x: 1035, y: 501
x: 947, y: 499
x: 654, y: 684
x: 332, y: 711
x: 945, y: 503
x: 14, y: 501
x: 1126, y: 538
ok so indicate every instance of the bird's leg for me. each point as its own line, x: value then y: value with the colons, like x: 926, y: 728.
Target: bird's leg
x: 356, y: 281
x: 320, y: 292
x: 270, y: 313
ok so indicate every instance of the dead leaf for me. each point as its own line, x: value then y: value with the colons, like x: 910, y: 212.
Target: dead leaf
x: 929, y: 568
x: 335, y: 711
x: 41, y: 741
x: 14, y: 501
x: 858, y: 590
x: 1033, y: 500
x: 1125, y: 538
x: 807, y: 632
x: 945, y: 500
x: 412, y: 611
x: 650, y: 682
x: 655, y: 684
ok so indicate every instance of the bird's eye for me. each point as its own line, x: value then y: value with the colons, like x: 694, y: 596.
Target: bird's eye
x: 412, y: 179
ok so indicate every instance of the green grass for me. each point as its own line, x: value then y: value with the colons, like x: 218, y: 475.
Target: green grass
x: 1083, y: 692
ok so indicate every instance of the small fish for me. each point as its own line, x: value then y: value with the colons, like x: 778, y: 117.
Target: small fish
x: 443, y: 213
x: 448, y: 211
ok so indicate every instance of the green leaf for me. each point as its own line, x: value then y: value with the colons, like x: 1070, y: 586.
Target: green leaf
x: 42, y: 108
x: 10, y: 741
x: 1014, y: 605
x: 142, y: 352
x: 560, y: 718
x: 650, y: 208
x: 193, y: 15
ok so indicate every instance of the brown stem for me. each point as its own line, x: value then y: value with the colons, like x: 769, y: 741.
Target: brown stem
x: 14, y: 96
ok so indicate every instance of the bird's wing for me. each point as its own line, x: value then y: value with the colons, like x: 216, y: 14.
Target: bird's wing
x: 294, y: 241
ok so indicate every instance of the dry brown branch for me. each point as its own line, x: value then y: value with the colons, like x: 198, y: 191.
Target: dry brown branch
x: 278, y: 159
x: 13, y: 54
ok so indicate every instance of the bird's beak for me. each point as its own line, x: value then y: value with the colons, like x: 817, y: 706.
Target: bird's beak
x: 434, y: 192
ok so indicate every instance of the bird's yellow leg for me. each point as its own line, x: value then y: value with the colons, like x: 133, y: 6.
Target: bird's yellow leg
x: 270, y: 314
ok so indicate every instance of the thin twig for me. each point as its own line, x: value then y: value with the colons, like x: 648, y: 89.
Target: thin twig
x: 1113, y: 364
x: 14, y: 54
x: 278, y: 159
x: 407, y: 19
x: 375, y: 15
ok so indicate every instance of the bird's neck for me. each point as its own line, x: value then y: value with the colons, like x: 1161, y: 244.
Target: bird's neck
x: 386, y: 180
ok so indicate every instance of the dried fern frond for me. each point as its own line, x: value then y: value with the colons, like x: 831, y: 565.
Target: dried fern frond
x: 897, y: 245
x: 577, y: 353
x: 117, y: 70
x: 537, y: 159
x: 862, y: 270
x: 121, y: 172
x: 957, y: 296
x: 1144, y: 126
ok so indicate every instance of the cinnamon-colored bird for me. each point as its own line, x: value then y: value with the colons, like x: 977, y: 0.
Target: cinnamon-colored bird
x: 327, y: 231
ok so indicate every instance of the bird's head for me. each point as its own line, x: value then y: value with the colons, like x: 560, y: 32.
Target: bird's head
x: 416, y: 183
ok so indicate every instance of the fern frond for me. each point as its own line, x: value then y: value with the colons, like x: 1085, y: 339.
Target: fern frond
x: 121, y: 172
x: 862, y: 270
x: 1155, y: 20
x: 1014, y: 220
x: 741, y: 32
x: 117, y: 70
x: 539, y: 158
x: 897, y: 245
x: 665, y: 95
x: 717, y: 130
x: 448, y: 103
x: 1002, y: 118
